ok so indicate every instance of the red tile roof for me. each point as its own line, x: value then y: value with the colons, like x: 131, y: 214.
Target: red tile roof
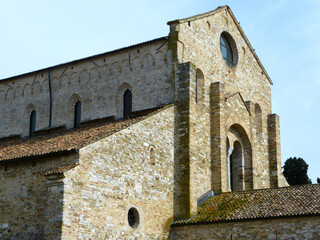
x: 64, y: 141
x: 258, y: 204
x: 61, y: 169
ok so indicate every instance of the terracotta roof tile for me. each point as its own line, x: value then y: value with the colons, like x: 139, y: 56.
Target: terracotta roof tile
x: 61, y: 169
x: 257, y: 204
x: 65, y: 140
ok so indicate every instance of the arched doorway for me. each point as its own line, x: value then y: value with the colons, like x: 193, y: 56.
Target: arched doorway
x: 239, y: 159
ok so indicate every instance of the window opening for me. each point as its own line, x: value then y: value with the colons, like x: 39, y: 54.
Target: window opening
x: 77, y: 114
x: 133, y: 218
x: 226, y: 50
x: 152, y: 155
x: 127, y: 103
x: 32, y: 125
x: 231, y: 173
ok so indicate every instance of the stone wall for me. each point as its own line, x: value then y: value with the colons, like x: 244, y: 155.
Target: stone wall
x: 245, y: 99
x: 98, y: 82
x: 286, y: 228
x: 118, y: 173
x: 31, y: 204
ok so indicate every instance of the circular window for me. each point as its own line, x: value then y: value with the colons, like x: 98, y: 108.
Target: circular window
x: 133, y: 218
x: 228, y: 49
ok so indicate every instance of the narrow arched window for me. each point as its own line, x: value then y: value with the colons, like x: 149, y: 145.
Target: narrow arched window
x: 77, y: 114
x: 127, y: 103
x: 258, y: 119
x: 32, y: 125
x: 199, y: 85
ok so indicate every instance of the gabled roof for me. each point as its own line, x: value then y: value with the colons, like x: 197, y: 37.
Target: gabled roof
x: 66, y: 141
x: 259, y: 204
x: 217, y: 10
x: 86, y: 58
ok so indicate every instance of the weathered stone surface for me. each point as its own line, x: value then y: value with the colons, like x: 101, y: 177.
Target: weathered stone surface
x: 160, y: 166
x: 98, y: 82
x: 285, y: 228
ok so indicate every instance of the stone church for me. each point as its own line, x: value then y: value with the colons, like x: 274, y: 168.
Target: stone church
x: 172, y: 138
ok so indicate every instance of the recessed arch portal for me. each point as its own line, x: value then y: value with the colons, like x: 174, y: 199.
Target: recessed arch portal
x: 239, y: 159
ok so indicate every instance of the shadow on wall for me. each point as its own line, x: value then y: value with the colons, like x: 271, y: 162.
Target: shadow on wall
x: 31, y: 198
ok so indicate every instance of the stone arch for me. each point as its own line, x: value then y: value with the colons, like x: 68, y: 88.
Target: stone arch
x: 63, y: 81
x: 9, y: 94
x: 35, y: 88
x: 115, y: 70
x: 26, y: 90
x: 148, y: 61
x: 239, y: 159
x: 136, y: 64
x: 94, y: 74
x: 84, y: 77
x: 160, y: 60
x: 44, y: 86
x: 72, y: 101
x: 18, y: 92
x: 73, y: 79
x: 105, y: 71
x: 258, y: 119
x: 199, y: 85
x: 125, y: 66
x: 29, y: 108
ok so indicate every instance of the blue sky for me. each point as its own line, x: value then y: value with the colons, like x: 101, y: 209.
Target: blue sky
x: 285, y: 34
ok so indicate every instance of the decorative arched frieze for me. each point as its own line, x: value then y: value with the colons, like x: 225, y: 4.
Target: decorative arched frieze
x: 84, y: 77
x: 9, y: 95
x: 35, y: 88
x: 44, y: 86
x: 94, y: 74
x: 18, y: 92
x: 148, y: 62
x: 136, y: 64
x: 115, y: 70
x: 125, y: 66
x: 160, y: 60
x: 105, y: 72
x: 64, y: 81
x: 73, y: 79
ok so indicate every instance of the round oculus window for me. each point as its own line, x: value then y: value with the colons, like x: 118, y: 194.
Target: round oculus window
x: 133, y: 217
x: 228, y: 49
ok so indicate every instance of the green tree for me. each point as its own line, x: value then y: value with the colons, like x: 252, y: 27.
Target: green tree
x: 318, y: 180
x: 296, y: 171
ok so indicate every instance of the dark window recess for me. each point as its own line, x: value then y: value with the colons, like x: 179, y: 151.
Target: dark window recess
x: 127, y: 103
x: 231, y: 173
x: 77, y: 114
x: 32, y: 126
x: 226, y: 50
x: 133, y: 218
